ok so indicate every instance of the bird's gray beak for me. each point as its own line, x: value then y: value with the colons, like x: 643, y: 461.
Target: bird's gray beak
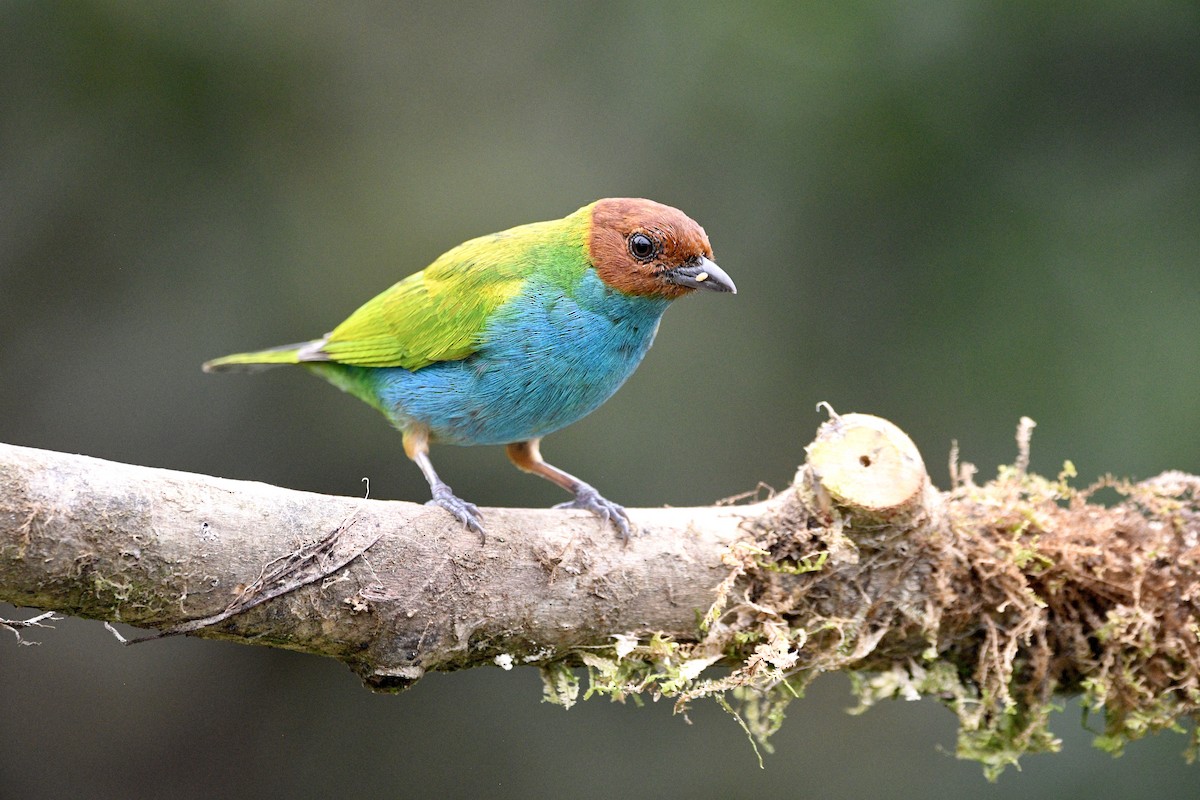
x: 702, y: 274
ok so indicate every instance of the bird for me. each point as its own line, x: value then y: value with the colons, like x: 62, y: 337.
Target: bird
x: 512, y: 336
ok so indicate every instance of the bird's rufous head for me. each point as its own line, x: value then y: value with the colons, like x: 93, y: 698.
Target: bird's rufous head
x: 641, y: 247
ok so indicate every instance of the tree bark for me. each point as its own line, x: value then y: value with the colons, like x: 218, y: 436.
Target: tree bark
x: 158, y: 549
x: 993, y: 598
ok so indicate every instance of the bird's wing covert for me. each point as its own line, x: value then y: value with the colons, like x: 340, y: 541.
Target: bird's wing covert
x: 434, y: 315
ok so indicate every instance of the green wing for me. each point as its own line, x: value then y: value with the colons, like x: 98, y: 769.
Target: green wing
x: 439, y: 313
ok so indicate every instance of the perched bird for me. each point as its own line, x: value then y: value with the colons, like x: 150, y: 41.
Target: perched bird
x: 512, y: 336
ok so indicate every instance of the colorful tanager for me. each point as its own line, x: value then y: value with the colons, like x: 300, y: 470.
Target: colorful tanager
x: 512, y: 336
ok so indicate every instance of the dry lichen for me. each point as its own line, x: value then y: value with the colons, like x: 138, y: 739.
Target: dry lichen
x: 1016, y: 594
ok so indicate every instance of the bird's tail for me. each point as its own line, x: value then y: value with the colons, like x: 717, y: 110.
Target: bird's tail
x: 264, y: 359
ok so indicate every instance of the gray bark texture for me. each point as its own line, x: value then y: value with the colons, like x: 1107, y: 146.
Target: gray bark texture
x: 159, y: 549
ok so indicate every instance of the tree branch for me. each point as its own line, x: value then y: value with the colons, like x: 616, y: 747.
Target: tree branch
x: 158, y: 549
x: 992, y: 598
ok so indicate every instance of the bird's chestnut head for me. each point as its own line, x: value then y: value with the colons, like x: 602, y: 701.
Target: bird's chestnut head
x: 641, y: 247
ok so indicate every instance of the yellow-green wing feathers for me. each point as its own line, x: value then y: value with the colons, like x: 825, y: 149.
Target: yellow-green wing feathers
x: 434, y: 315
x: 439, y: 313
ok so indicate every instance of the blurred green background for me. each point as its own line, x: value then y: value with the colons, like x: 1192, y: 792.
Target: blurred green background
x: 946, y: 213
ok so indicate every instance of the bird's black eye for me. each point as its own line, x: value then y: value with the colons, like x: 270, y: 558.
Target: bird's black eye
x: 642, y: 247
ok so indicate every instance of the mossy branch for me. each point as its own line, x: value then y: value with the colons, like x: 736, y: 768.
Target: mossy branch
x: 995, y: 599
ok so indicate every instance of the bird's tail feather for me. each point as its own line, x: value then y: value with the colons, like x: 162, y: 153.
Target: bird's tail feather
x: 264, y: 359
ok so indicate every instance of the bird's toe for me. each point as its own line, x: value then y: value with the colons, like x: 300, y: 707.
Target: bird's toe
x: 588, y: 499
x: 466, y: 513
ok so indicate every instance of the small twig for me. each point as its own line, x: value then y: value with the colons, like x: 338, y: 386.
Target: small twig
x: 15, y: 625
x: 1024, y: 436
x: 308, y: 564
x: 763, y: 491
x: 954, y: 476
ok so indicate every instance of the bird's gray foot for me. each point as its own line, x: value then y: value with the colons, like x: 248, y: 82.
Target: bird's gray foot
x: 589, y: 499
x: 466, y: 513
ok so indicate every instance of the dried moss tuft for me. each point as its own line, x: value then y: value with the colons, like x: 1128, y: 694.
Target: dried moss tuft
x: 1003, y: 601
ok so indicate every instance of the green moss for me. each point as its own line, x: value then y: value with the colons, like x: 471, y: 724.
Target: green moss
x: 560, y: 685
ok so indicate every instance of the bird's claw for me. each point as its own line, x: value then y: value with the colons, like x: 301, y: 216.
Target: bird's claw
x: 587, y: 498
x: 466, y: 513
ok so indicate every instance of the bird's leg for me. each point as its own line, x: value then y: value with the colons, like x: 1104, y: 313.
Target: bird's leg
x: 416, y: 447
x: 528, y: 458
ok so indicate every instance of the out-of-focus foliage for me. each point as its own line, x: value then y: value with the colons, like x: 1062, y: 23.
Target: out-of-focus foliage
x: 946, y: 213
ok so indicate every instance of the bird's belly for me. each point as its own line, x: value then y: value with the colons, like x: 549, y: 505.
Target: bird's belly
x: 518, y: 387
